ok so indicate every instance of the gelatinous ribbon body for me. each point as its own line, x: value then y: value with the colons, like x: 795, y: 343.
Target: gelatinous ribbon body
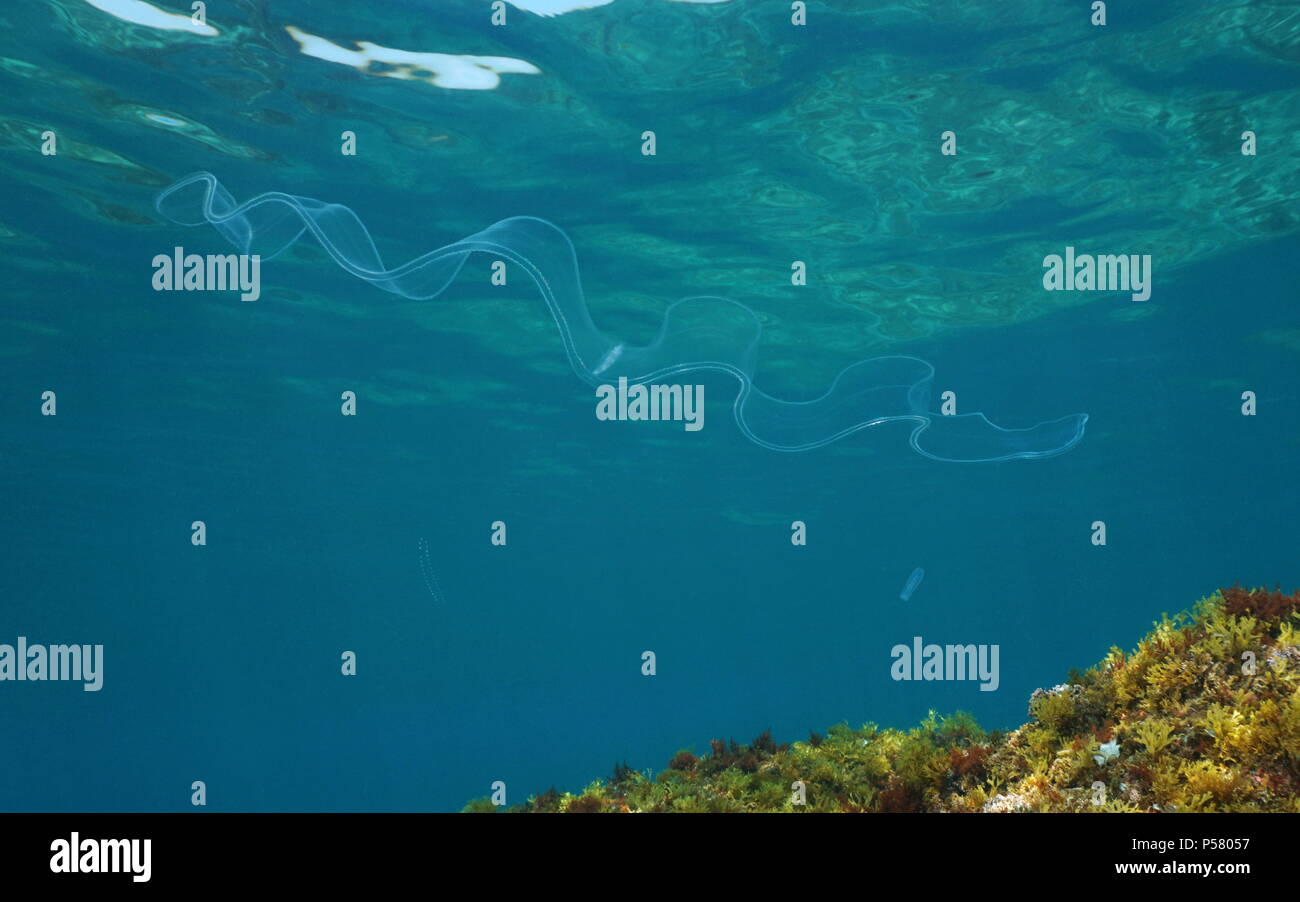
x: 697, y: 334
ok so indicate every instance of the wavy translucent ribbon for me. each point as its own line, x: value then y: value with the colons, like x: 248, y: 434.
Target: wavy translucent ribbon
x: 697, y: 334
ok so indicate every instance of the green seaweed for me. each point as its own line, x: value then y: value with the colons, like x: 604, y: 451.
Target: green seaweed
x: 1204, y: 715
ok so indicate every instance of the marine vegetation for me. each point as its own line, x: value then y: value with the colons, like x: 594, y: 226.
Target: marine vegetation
x: 1204, y: 715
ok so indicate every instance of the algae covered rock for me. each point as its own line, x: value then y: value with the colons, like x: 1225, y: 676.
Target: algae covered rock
x: 1204, y: 715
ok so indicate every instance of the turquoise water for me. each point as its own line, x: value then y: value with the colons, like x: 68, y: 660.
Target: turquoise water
x: 774, y: 143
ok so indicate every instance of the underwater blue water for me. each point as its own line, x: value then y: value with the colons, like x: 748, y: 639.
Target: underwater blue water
x: 523, y: 662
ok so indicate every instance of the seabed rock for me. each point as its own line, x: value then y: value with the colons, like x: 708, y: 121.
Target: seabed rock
x: 1204, y: 715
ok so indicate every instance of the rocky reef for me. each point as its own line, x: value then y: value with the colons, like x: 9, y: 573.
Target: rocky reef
x: 1204, y: 715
